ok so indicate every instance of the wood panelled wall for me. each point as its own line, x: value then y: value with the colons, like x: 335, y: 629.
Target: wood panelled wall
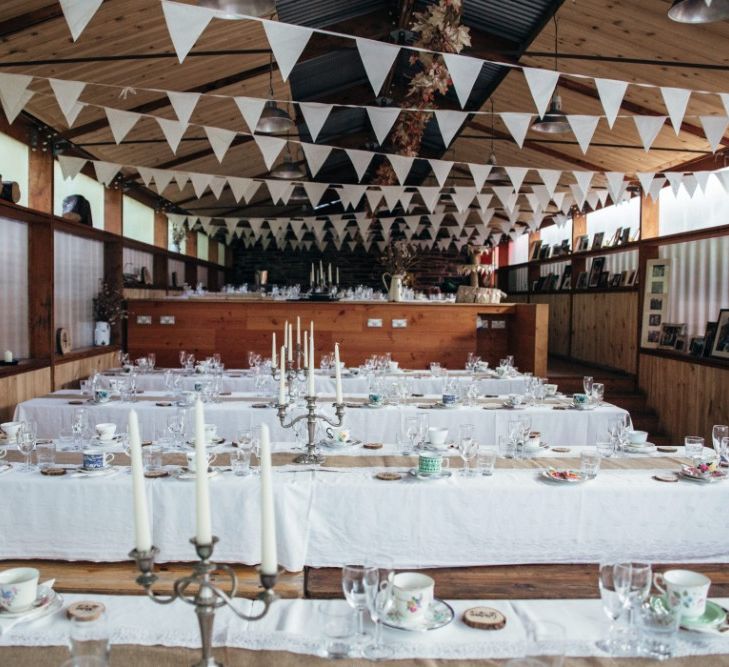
x: 21, y: 387
x: 68, y: 373
x: 560, y: 315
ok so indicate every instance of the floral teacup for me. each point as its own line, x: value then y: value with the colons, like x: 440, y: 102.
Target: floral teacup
x: 685, y: 589
x: 412, y: 596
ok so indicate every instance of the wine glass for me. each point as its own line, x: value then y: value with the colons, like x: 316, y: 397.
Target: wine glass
x: 719, y: 432
x: 632, y: 582
x: 598, y: 392
x: 611, y: 604
x: 151, y: 361
x: 183, y: 358
x: 412, y: 430
x: 26, y: 445
x: 356, y: 580
x: 587, y: 383
x: 467, y: 446
x: 379, y: 603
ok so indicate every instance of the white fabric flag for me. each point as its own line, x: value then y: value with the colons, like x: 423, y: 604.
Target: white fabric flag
x: 487, y: 215
x: 377, y: 59
x: 206, y: 222
x: 655, y: 188
x: 315, y: 156
x: 542, y: 83
x: 616, y: 184
x: 220, y: 140
x: 542, y: 194
x: 723, y: 177
x: 401, y: 165
x: 78, y: 13
x: 270, y: 148
x: 676, y: 100
x: 584, y: 180
x: 315, y: 191
x: 441, y: 169
x: 162, y: 179
x: 146, y: 174
x: 602, y: 195
x: 517, y: 124
x: 504, y: 192
x: 675, y: 178
x: 496, y: 238
x: 181, y: 178
x: 315, y: 115
x: 386, y: 224
x: 449, y: 122
x: 363, y: 224
x: 67, y: 95
x: 14, y: 94
x: 462, y: 197
x: 583, y: 127
x: 516, y: 176
x: 360, y: 160
x: 724, y: 97
x: 250, y: 108
x: 714, y: 128
x: 351, y: 195
x: 173, y: 131
x: 351, y: 245
x: 280, y: 190
x: 105, y: 171
x: 185, y: 23
x: 200, y: 182
x: 287, y: 41
x: 256, y: 224
x: 72, y: 114
x: 373, y: 199
x: 231, y: 224
x: 505, y: 226
x: 464, y: 71
x: 533, y: 200
x: 479, y: 173
x: 702, y: 177
x: 689, y: 184
x: 392, y: 195
x: 484, y: 200
x: 405, y: 199
x: 238, y: 186
x: 71, y: 166
x: 592, y: 199
x: 579, y: 195
x: 183, y: 104
x: 550, y: 178
x: 460, y: 219
x: 251, y: 191
x: 120, y: 122
x: 430, y: 195
x: 382, y: 119
x: 648, y: 128
x: 217, y: 183
x: 645, y: 178
x: 611, y: 93
x: 563, y: 201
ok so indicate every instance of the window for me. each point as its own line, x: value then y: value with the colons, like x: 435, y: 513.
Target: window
x: 553, y: 235
x: 14, y: 331
x: 202, y: 246
x: 14, y: 164
x: 519, y: 250
x: 221, y: 253
x: 608, y: 219
x: 81, y: 185
x: 683, y: 213
x: 138, y: 220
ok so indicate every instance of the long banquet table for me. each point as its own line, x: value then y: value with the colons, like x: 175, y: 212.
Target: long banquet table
x: 557, y: 423
x: 341, y: 513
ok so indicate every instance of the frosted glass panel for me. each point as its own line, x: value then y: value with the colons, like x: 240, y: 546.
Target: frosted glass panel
x: 202, y: 246
x: 14, y: 332
x: 78, y: 271
x: 138, y: 220
x: 134, y: 260
x: 202, y: 275
x: 176, y: 266
x: 81, y: 185
x: 683, y: 213
x: 608, y: 219
x: 14, y: 164
x: 519, y: 250
x: 221, y: 253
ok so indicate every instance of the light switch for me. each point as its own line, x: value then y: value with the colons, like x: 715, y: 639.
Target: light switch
x: 374, y: 324
x: 144, y: 319
x: 167, y: 319
x: 399, y: 324
x: 498, y: 324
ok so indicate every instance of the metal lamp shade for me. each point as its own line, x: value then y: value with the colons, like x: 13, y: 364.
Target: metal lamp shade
x: 697, y: 11
x: 553, y: 121
x: 288, y: 170
x: 232, y: 8
x: 273, y: 120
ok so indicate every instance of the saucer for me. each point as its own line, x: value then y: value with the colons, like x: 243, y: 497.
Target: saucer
x: 586, y: 406
x: 713, y: 616
x: 509, y: 406
x: 45, y: 597
x: 338, y: 444
x: 185, y: 474
x: 107, y: 441
x: 446, y: 406
x: 96, y: 472
x: 438, y: 615
x: 644, y: 448
x: 5, y: 467
x: 443, y: 474
x: 373, y: 406
x: 688, y: 472
x: 213, y: 443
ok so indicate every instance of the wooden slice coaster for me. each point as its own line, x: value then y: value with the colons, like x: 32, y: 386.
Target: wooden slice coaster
x: 53, y: 471
x: 76, y: 402
x: 561, y: 450
x: 44, y: 441
x: 154, y: 474
x: 163, y: 404
x: 372, y: 445
x: 259, y: 405
x: 147, y: 443
x: 666, y: 477
x: 86, y: 610
x: 484, y: 618
x: 667, y: 450
x: 226, y: 393
x: 388, y: 476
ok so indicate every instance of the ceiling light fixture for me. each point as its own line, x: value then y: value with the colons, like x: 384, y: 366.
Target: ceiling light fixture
x: 273, y: 120
x: 288, y: 170
x: 698, y: 11
x: 497, y: 173
x: 554, y: 121
x: 233, y: 8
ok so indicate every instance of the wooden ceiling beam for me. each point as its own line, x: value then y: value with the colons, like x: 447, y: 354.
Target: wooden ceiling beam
x: 30, y: 20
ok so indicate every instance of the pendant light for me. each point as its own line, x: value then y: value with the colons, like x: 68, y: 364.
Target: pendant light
x: 698, y: 11
x: 288, y: 170
x: 497, y: 173
x: 554, y: 121
x: 273, y: 120
x: 233, y: 8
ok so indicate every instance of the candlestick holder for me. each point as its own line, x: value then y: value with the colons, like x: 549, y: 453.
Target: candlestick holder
x: 208, y: 597
x: 294, y: 372
x: 311, y: 416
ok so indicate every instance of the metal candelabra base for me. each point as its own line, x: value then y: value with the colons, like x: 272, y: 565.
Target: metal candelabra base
x: 208, y: 597
x: 311, y: 456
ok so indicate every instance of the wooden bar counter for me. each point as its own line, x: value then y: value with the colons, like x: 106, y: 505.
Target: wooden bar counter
x: 416, y: 333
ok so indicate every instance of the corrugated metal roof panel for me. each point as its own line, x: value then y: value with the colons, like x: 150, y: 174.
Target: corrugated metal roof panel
x: 320, y: 13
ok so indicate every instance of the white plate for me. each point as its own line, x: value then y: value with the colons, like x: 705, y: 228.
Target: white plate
x: 336, y: 444
x: 509, y: 406
x: 44, y: 599
x: 443, y: 474
x: 98, y: 472
x: 185, y: 474
x: 439, y: 614
x: 645, y: 448
x: 558, y: 480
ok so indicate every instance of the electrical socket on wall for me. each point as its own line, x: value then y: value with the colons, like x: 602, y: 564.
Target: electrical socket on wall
x: 144, y: 319
x: 167, y: 319
x: 399, y: 324
x: 498, y: 324
x: 374, y: 324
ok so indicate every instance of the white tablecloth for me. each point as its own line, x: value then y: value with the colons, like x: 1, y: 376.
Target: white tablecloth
x: 569, y: 427
x: 244, y: 381
x: 293, y: 625
x: 326, y: 518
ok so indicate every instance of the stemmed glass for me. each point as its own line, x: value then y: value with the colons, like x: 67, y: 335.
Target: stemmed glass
x: 356, y: 580
x: 632, y: 582
x: 423, y: 426
x: 379, y: 603
x: 80, y: 427
x: 412, y: 430
x: 718, y: 433
x: 611, y: 604
x: 183, y: 358
x: 598, y: 393
x: 587, y: 383
x: 176, y: 427
x: 26, y: 445
x: 151, y: 361
x: 467, y: 447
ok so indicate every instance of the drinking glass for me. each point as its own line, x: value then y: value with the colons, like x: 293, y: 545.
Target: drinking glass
x: 183, y: 358
x: 546, y: 641
x: 632, y: 583
x: 26, y: 445
x: 45, y: 453
x: 611, y: 604
x: 589, y: 462
x: 412, y: 430
x: 176, y: 427
x: 423, y: 426
x: 355, y: 581
x: 486, y: 461
x: 379, y: 602
x: 507, y: 447
x: 587, y: 382
x: 90, y: 639
x: 598, y: 392
x: 606, y: 448
x: 337, y: 624
x: 724, y: 449
x: 240, y: 462
x: 151, y: 361
x: 694, y: 448
x: 657, y: 630
x: 718, y: 432
x: 467, y: 447
x: 86, y: 661
x: 152, y: 458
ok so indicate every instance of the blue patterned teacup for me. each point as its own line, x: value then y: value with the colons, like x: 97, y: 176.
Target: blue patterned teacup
x: 101, y: 395
x: 448, y: 399
x: 580, y: 400
x: 376, y: 399
x: 95, y: 459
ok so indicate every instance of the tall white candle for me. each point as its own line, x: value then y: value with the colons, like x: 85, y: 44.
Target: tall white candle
x: 286, y: 334
x: 329, y: 273
x: 273, y: 350
x: 306, y: 349
x: 310, y: 388
x: 8, y: 356
x: 321, y: 270
x: 337, y: 375
x: 269, y: 559
x: 298, y: 330
x: 142, y: 535
x: 311, y: 274
x: 203, y: 532
x: 291, y: 342
x: 282, y: 379
x: 337, y: 275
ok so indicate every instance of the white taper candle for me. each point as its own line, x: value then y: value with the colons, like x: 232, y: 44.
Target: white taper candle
x: 291, y: 342
x: 298, y: 330
x: 203, y: 533
x: 282, y: 379
x: 142, y: 535
x: 273, y: 350
x: 269, y: 559
x: 337, y: 375
x: 310, y: 391
x: 306, y: 349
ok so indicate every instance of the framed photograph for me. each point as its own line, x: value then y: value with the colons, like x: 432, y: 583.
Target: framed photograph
x: 659, y: 271
x: 565, y: 282
x: 654, y: 320
x: 598, y: 264
x: 556, y: 250
x: 681, y: 344
x: 616, y: 236
x: 696, y: 346
x: 656, y: 303
x: 720, y: 349
x: 709, y: 335
x: 657, y: 287
x: 566, y: 246
x: 654, y: 336
x: 625, y: 236
x: 545, y: 251
x: 597, y: 240
x: 616, y: 280
x: 583, y: 243
x: 632, y: 278
x: 670, y: 333
x: 536, y: 246
x: 581, y: 280
x: 604, y: 280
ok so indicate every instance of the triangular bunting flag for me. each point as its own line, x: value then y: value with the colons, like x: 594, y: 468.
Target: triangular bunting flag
x: 430, y: 195
x: 315, y: 191
x: 67, y: 95
x: 675, y: 178
x: 382, y: 119
x: 462, y: 197
x: 360, y: 160
x: 550, y: 178
x: 78, y: 13
x: 315, y: 115
x: 280, y: 190
x: 162, y: 179
x: 217, y: 184
x: 648, y: 128
x: 173, y: 131
x: 71, y: 166
x: 185, y: 23
x: 146, y: 174
x: 315, y: 156
x: 401, y: 165
x: 723, y: 177
x: 351, y: 195
x: 392, y: 195
x: 676, y: 100
x: 206, y: 224
x: 120, y: 122
x: 250, y: 108
x: 579, y: 195
x: 220, y: 140
x: 602, y: 195
x: 105, y: 171
x: 702, y: 177
x: 464, y: 71
x: 583, y: 127
x: 542, y: 83
x: 564, y: 200
x: 14, y: 94
x: 373, y: 199
x: 714, y: 128
x: 656, y: 185
x: 645, y: 178
x: 449, y: 122
x: 516, y: 176
x: 441, y: 169
x: 504, y: 192
x: 592, y: 200
x: 183, y: 104
x: 287, y: 41
x: 200, y: 182
x: 541, y: 192
x: 239, y: 186
x: 377, y: 58
x: 689, y: 184
x: 181, y: 178
x: 487, y: 215
x: 479, y: 173
x: 616, y: 184
x: 484, y: 200
x: 611, y: 94
x: 405, y: 199
x: 231, y: 224
x: 517, y: 124
x: 270, y: 148
x: 584, y: 180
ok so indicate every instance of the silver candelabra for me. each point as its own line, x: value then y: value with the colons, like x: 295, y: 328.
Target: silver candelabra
x: 294, y: 371
x: 311, y: 416
x: 209, y: 596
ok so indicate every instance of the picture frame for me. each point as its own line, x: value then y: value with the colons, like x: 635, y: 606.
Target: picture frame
x: 656, y: 332
x: 696, y: 346
x: 720, y: 346
x: 616, y: 237
x: 596, y: 269
x: 680, y: 344
x: 632, y: 278
x: 583, y: 243
x: 654, y: 320
x: 536, y: 247
x: 625, y: 236
x: 545, y: 252
x: 566, y: 277
x: 597, y: 240
x: 656, y: 303
x: 581, y: 280
x: 604, y: 280
x: 670, y: 333
x: 616, y: 279
x: 709, y: 335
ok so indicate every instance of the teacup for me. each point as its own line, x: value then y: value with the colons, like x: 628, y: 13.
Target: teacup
x: 431, y: 464
x: 11, y: 430
x: 337, y: 434
x: 393, y: 365
x: 191, y: 460
x: 376, y: 399
x: 95, y: 459
x: 102, y: 395
x: 437, y: 436
x: 515, y: 400
x: 18, y: 588
x: 550, y: 389
x: 448, y: 399
x: 412, y: 594
x: 211, y: 432
x: 187, y: 397
x: 105, y: 431
x: 685, y: 589
x: 580, y: 400
x: 533, y: 441
x: 637, y: 437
